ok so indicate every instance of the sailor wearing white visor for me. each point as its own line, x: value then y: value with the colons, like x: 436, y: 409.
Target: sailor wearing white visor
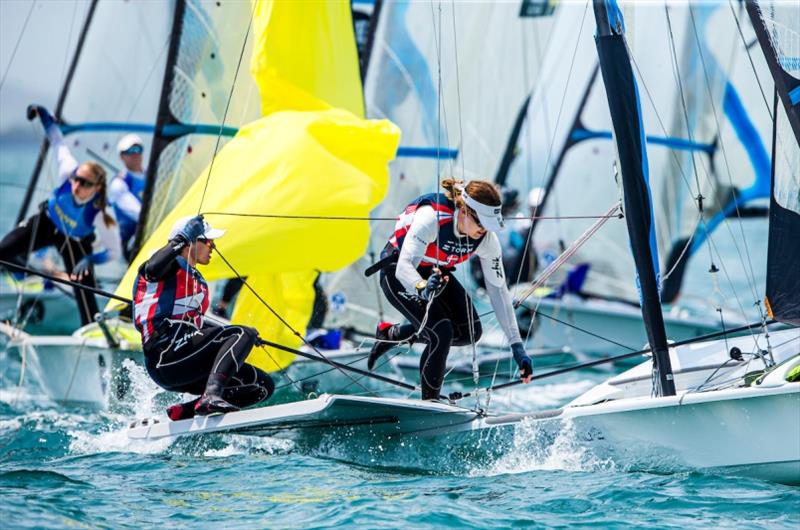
x: 433, y: 234
x: 183, y: 351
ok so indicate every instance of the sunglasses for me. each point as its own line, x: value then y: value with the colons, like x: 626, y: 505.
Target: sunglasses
x: 82, y: 182
x: 206, y: 242
x: 474, y: 218
x: 133, y: 150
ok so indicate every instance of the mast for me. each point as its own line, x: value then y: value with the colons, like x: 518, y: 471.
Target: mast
x: 163, y: 118
x: 623, y: 103
x: 26, y: 201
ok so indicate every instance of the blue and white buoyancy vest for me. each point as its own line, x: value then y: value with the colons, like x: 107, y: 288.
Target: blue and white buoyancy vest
x: 70, y: 218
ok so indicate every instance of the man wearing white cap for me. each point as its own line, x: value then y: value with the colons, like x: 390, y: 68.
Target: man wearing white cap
x: 433, y: 234
x: 183, y: 353
x: 127, y: 189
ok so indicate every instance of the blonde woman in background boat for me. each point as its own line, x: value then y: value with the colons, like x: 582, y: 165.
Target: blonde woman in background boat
x: 433, y: 234
x: 74, y: 220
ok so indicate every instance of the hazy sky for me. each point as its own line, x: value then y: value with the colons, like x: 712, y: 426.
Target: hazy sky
x: 35, y: 72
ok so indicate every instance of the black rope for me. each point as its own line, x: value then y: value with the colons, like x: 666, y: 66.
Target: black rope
x: 623, y: 356
x: 394, y: 219
x: 340, y: 366
x: 56, y: 279
x: 320, y: 356
x: 573, y: 326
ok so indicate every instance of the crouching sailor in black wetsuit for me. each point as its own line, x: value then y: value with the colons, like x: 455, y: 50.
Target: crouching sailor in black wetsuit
x: 182, y: 352
x: 432, y: 235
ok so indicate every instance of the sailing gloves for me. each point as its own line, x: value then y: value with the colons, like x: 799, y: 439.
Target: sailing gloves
x: 523, y: 361
x: 194, y: 229
x: 81, y: 268
x: 42, y: 113
x: 432, y: 288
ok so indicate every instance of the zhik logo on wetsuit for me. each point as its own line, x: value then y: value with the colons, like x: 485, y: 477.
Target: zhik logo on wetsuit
x: 185, y: 339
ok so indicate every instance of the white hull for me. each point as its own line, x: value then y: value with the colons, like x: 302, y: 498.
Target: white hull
x: 748, y: 431
x: 46, y: 311
x: 75, y: 369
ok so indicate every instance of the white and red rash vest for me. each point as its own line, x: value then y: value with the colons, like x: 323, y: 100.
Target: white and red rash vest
x: 182, y: 297
x: 448, y: 250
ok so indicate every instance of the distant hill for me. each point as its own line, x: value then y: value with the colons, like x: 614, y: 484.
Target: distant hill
x: 14, y: 99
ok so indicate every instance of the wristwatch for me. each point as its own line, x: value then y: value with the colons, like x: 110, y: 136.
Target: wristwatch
x: 420, y: 285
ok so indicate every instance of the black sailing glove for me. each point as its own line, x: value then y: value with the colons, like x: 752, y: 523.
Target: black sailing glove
x: 524, y: 362
x: 433, y: 288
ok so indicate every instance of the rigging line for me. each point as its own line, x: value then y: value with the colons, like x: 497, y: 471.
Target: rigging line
x: 385, y: 359
x: 750, y: 58
x: 751, y: 276
x: 16, y: 45
x: 573, y: 326
x: 624, y: 356
x: 684, y: 250
x: 569, y: 252
x: 344, y: 368
x: 64, y: 70
x: 280, y: 318
x: 684, y: 107
x: 394, y: 219
x: 145, y: 83
x: 564, y: 97
x: 441, y: 110
x: 56, y: 279
x: 227, y: 106
x: 467, y: 301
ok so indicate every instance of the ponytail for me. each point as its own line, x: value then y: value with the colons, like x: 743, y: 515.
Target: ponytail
x: 481, y: 190
x: 100, y: 199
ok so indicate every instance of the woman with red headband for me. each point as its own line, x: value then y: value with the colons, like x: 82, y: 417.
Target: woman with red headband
x: 433, y: 234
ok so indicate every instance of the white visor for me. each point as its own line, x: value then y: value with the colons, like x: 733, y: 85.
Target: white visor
x: 208, y: 231
x: 490, y: 217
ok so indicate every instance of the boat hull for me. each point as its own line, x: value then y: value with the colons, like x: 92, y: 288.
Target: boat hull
x: 749, y: 431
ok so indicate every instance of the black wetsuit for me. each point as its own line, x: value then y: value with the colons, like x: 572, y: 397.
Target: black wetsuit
x: 184, y: 358
x: 449, y: 319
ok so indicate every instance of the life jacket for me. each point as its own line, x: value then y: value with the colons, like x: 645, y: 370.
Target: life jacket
x: 448, y: 250
x: 182, y: 297
x: 70, y: 218
x: 127, y: 224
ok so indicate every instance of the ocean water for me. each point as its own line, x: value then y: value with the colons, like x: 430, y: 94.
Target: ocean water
x: 67, y: 466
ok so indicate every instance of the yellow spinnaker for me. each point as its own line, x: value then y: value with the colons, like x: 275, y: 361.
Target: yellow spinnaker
x: 304, y: 158
x: 305, y: 57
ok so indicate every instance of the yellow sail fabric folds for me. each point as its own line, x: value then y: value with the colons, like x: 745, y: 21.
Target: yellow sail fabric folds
x: 307, y: 156
x: 305, y: 56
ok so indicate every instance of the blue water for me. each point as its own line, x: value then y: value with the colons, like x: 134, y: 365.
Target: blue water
x: 73, y: 467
